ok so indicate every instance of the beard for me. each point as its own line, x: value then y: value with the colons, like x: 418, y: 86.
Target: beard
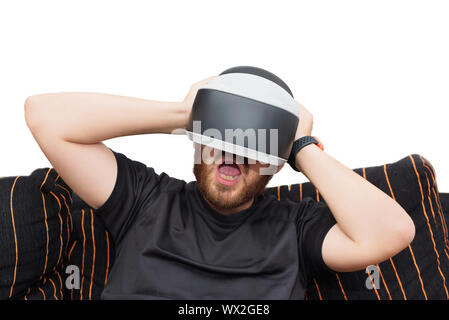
x: 225, y: 197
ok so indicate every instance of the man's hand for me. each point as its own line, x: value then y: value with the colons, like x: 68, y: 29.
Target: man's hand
x: 305, y: 122
x: 190, y: 98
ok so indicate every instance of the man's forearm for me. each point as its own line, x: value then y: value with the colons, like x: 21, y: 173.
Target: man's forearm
x: 83, y: 117
x: 365, y: 214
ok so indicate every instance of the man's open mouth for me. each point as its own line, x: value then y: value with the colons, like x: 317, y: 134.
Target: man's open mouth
x: 228, y: 174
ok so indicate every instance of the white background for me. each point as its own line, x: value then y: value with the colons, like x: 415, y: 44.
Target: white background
x: 375, y: 74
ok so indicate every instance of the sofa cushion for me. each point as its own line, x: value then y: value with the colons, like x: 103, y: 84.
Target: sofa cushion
x: 35, y: 228
x: 418, y: 272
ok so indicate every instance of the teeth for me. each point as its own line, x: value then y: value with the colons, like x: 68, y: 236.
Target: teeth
x: 230, y: 178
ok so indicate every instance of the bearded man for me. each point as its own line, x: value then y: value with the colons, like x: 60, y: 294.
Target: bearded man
x: 219, y: 237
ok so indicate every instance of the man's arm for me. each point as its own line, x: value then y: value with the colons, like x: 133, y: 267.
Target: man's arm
x: 371, y: 226
x: 70, y: 128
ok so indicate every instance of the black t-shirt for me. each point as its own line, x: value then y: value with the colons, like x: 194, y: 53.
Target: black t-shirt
x: 170, y: 244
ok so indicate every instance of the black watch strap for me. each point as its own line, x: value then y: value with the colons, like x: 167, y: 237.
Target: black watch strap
x: 298, y: 145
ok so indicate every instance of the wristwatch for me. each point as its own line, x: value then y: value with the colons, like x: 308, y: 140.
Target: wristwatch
x: 298, y: 145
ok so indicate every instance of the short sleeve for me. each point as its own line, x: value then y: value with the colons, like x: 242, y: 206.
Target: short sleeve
x: 314, y: 221
x: 134, y: 181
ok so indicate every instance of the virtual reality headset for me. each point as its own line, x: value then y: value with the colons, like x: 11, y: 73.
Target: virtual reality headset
x: 246, y: 111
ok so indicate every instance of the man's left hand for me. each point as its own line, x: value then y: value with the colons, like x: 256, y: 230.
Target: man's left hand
x: 305, y: 122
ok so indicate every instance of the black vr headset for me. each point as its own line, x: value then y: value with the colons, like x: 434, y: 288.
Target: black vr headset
x: 246, y: 111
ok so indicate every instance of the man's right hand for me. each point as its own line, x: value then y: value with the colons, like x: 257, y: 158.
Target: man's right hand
x: 190, y: 98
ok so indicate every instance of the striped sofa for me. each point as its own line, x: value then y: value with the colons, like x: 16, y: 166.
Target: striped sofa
x: 46, y: 229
